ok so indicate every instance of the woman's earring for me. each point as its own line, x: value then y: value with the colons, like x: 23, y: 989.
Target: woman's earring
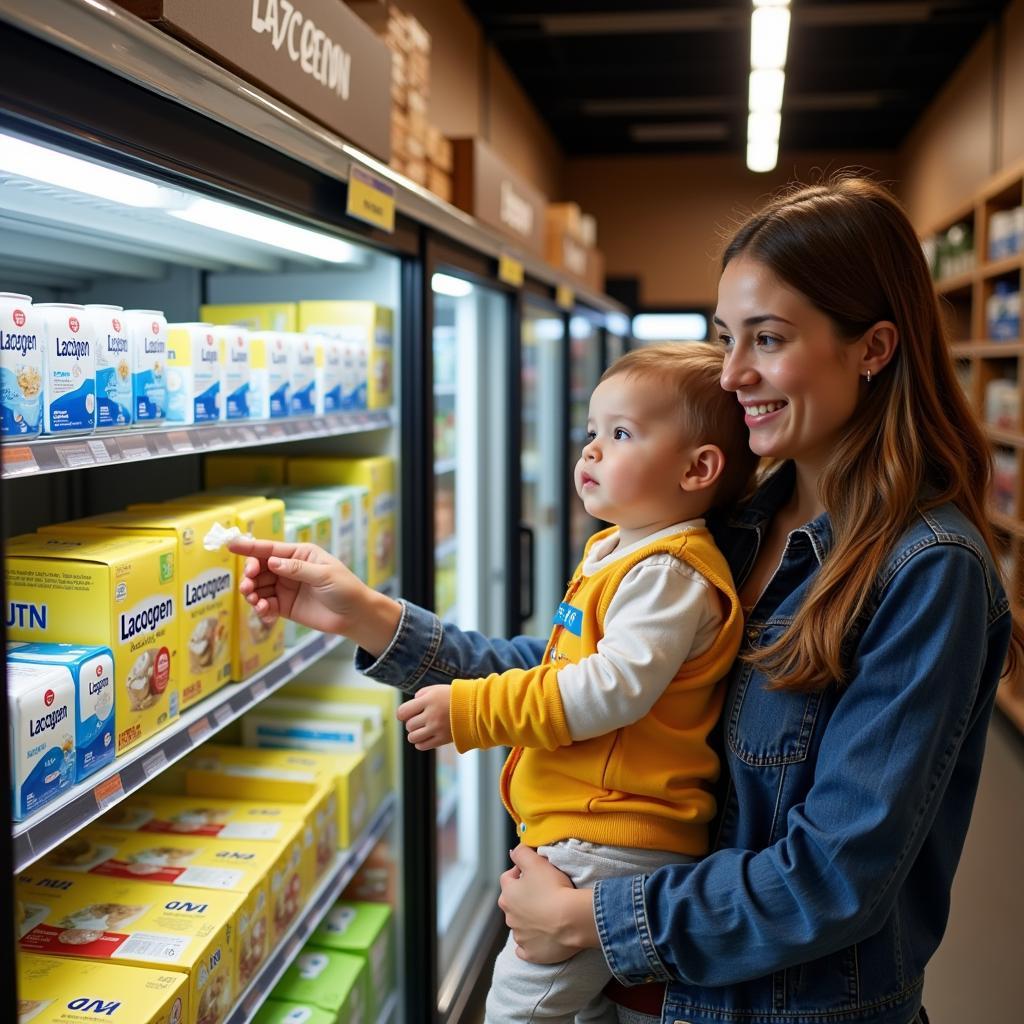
x: 869, y: 376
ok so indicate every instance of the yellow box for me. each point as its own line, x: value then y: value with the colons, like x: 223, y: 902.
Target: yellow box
x: 237, y: 773
x: 200, y: 863
x: 254, y: 643
x: 257, y: 316
x: 344, y: 775
x: 255, y: 471
x: 229, y: 821
x: 118, y: 591
x: 206, y: 613
x: 65, y: 991
x: 188, y: 931
x: 377, y: 474
x: 369, y: 327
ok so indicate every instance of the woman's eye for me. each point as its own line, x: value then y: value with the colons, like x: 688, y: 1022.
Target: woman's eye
x: 724, y: 339
x: 768, y: 340
x: 620, y: 434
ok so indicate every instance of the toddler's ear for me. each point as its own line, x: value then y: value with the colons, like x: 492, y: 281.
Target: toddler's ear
x: 704, y: 468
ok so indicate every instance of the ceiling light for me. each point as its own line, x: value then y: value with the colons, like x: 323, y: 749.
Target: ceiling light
x: 27, y: 160
x: 766, y: 87
x: 771, y: 3
x: 445, y: 284
x: 769, y: 37
x: 670, y: 327
x: 233, y: 220
x: 762, y: 156
x: 764, y: 126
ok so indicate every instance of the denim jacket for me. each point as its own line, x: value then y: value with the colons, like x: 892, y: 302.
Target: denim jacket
x: 843, y: 812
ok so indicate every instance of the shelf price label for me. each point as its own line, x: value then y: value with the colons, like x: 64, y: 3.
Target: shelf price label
x: 18, y: 461
x: 565, y: 297
x: 510, y: 270
x: 370, y: 199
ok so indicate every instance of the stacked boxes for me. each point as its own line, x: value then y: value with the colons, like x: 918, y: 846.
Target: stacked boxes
x: 337, y: 983
x: 121, y: 592
x: 571, y: 244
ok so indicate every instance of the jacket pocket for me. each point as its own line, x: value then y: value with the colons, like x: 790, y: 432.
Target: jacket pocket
x: 767, y: 728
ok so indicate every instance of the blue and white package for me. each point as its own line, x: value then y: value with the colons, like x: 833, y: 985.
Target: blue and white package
x: 280, y: 360
x: 90, y: 670
x: 147, y: 332
x: 21, y: 367
x: 328, y: 384
x: 113, y: 366
x: 69, y: 368
x: 236, y: 383
x: 193, y: 373
x: 41, y: 702
x: 307, y: 352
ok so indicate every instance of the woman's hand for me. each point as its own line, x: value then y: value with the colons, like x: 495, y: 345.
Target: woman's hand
x: 550, y: 919
x: 304, y: 583
x: 426, y: 717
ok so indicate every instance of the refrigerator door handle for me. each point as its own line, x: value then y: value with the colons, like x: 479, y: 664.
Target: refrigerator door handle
x: 526, y: 561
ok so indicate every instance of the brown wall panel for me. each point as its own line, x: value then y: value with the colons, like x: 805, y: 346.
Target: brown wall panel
x: 1012, y: 84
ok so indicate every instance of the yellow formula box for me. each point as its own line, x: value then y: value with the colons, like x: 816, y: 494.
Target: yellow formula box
x: 65, y: 991
x: 230, y: 821
x: 366, y: 328
x: 105, y: 589
x: 256, y: 316
x: 185, y: 930
x: 254, y: 644
x: 206, y: 589
x: 199, y: 863
x: 254, y: 471
x: 344, y: 775
x: 377, y: 474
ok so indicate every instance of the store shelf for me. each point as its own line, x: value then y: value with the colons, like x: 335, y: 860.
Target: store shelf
x: 956, y: 283
x: 60, y: 454
x: 444, y: 466
x: 444, y: 548
x: 996, y: 268
x: 61, y: 818
x: 1008, y: 438
x: 1005, y: 523
x: 987, y: 349
x: 324, y: 896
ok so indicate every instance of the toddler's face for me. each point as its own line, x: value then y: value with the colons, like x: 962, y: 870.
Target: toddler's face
x: 629, y: 471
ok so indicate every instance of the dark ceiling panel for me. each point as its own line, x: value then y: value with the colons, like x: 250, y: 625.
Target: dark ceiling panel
x: 660, y: 76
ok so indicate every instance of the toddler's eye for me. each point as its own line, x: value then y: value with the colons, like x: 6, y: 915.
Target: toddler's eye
x: 591, y: 434
x: 620, y: 434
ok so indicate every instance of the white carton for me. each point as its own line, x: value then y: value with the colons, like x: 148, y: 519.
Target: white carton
x: 193, y: 373
x: 280, y: 363
x: 328, y: 385
x: 41, y: 699
x: 307, y: 354
x: 235, y: 368
x: 21, y: 367
x: 91, y: 671
x: 69, y: 368
x: 259, y: 379
x: 113, y: 366
x: 147, y: 334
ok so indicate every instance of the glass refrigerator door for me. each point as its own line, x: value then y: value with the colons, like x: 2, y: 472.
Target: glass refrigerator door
x: 585, y: 367
x: 471, y: 435
x: 542, y: 466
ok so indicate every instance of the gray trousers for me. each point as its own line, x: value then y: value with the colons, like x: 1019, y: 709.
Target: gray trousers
x: 522, y: 993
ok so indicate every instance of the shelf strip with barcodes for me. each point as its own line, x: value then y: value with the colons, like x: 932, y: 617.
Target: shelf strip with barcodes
x: 60, y: 454
x: 324, y: 896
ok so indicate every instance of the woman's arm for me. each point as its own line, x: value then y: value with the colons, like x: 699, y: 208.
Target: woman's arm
x: 424, y: 652
x: 917, y: 705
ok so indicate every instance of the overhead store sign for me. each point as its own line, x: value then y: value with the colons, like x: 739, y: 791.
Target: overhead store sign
x: 484, y: 186
x: 316, y: 55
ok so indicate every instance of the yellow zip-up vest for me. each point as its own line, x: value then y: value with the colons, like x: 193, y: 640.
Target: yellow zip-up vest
x: 645, y: 785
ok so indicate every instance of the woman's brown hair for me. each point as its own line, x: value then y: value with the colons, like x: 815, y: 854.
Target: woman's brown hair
x: 913, y: 443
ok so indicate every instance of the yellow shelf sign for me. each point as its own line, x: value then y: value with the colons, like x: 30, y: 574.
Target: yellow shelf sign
x: 565, y: 297
x: 370, y: 199
x: 510, y: 270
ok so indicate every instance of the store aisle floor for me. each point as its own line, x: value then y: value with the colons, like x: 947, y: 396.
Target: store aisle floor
x: 975, y: 975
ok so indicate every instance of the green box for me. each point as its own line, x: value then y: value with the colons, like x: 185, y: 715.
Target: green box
x: 333, y: 981
x: 364, y: 930
x: 275, y: 1012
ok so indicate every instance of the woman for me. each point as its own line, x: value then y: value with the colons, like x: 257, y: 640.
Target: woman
x: 877, y: 629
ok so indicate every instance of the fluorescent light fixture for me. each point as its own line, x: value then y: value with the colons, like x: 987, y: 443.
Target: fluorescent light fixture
x: 764, y: 126
x: 27, y: 160
x: 257, y: 227
x: 547, y: 329
x: 445, y: 284
x: 762, y: 156
x: 580, y: 328
x: 617, y: 323
x: 766, y: 87
x: 670, y: 327
x: 771, y: 3
x: 769, y: 37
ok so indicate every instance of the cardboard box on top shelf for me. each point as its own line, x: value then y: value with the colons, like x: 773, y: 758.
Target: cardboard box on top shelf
x: 415, y: 149
x: 564, y: 219
x: 594, y: 276
x: 56, y: 990
x: 565, y: 252
x: 188, y: 931
x: 439, y: 149
x: 334, y: 68
x: 439, y: 183
x: 416, y: 169
x: 588, y: 230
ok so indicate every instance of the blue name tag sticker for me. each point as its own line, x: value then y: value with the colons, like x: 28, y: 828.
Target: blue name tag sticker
x: 569, y: 618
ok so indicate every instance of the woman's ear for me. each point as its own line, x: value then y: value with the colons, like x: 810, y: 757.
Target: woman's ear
x: 705, y: 467
x: 880, y: 341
